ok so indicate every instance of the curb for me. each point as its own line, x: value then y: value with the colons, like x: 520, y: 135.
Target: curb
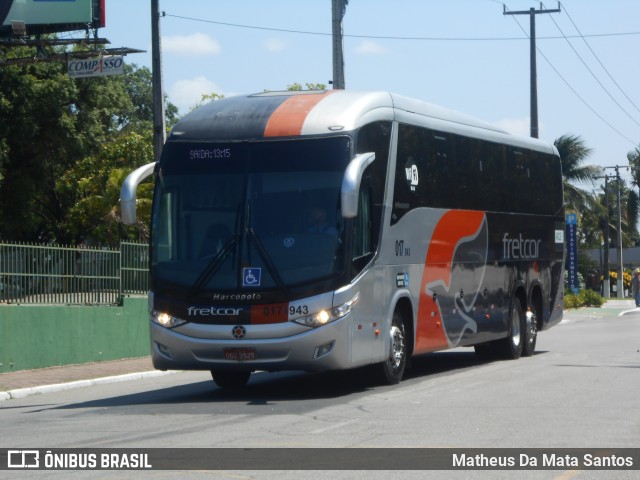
x: 61, y: 387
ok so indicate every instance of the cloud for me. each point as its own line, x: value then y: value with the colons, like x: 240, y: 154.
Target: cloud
x: 274, y: 45
x: 367, y: 47
x: 186, y: 94
x: 195, y: 44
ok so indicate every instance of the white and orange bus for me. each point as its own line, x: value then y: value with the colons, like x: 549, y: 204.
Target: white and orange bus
x: 323, y: 230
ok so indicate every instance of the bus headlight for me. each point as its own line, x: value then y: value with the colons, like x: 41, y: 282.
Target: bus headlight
x: 323, y: 317
x: 166, y: 320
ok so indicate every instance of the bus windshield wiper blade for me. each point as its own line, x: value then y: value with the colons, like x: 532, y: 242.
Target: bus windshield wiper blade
x: 213, y: 265
x: 253, y: 238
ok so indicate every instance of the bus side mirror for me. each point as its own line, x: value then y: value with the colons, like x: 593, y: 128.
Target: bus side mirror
x: 128, y: 192
x: 351, y: 183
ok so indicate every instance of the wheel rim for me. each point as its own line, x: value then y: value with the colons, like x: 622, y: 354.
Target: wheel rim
x: 531, y: 328
x: 397, y: 347
x: 515, y: 328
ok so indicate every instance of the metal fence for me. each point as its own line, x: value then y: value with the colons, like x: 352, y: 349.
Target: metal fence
x: 43, y: 274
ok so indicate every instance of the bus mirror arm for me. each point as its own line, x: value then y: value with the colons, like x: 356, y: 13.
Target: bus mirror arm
x: 351, y: 183
x: 564, y: 204
x: 128, y: 192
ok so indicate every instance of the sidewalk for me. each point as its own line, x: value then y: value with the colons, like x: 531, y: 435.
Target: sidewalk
x: 618, y: 303
x: 30, y: 382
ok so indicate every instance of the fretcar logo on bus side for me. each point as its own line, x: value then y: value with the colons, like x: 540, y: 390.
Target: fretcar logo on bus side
x: 517, y: 248
x: 214, y: 311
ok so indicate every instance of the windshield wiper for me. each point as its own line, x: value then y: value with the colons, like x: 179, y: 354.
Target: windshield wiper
x: 253, y: 238
x: 213, y: 265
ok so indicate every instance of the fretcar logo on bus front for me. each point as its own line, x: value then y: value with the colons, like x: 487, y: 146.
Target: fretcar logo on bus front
x: 213, y: 311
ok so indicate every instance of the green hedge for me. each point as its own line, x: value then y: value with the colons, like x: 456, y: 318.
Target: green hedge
x: 584, y: 298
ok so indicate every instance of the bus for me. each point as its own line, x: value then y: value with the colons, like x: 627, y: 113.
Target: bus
x: 328, y: 230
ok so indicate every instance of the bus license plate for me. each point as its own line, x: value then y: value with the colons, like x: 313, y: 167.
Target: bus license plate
x: 239, y: 354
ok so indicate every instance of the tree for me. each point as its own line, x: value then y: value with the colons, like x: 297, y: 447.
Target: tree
x: 634, y: 200
x: 573, y: 153
x: 594, y: 219
x: 55, y: 131
x: 93, y: 187
x: 634, y: 162
x: 47, y: 123
x: 633, y: 208
x: 206, y: 98
x: 138, y: 112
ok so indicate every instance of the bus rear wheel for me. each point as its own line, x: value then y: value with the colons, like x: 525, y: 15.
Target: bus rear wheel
x: 229, y: 379
x: 530, y: 332
x: 511, y: 347
x: 390, y: 371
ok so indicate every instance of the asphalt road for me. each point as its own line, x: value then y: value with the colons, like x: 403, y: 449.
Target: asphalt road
x: 580, y: 390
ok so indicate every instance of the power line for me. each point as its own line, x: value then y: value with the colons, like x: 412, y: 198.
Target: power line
x: 460, y: 39
x: 593, y: 74
x: 382, y: 37
x: 598, y: 59
x: 574, y: 90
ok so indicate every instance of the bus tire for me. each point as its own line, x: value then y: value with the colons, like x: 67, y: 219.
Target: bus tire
x: 390, y: 371
x: 530, y: 332
x: 511, y: 347
x: 230, y: 379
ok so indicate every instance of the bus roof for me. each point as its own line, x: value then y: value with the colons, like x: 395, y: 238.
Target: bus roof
x: 322, y: 112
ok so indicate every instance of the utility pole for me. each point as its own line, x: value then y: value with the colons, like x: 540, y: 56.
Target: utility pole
x: 619, y: 228
x: 621, y: 268
x: 532, y: 12
x: 156, y: 80
x: 606, y: 286
x: 338, y: 9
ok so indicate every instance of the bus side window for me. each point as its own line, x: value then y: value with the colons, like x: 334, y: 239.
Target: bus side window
x: 362, y: 247
x: 165, y: 233
x: 375, y: 137
x: 519, y: 174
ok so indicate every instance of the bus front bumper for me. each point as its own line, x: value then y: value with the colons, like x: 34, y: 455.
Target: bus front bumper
x: 319, y: 349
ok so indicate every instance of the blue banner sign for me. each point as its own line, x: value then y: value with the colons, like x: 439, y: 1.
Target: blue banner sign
x: 572, y: 251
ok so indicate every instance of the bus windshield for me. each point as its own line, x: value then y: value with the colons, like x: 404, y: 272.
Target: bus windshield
x: 251, y: 215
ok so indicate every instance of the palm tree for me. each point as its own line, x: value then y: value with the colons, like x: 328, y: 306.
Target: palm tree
x: 634, y: 162
x: 573, y: 153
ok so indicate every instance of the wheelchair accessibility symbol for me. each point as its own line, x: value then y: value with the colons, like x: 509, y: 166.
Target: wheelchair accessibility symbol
x: 251, y: 277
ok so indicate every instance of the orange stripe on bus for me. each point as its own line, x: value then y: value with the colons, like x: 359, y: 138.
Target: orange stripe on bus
x: 452, y: 227
x: 273, y: 313
x: 288, y: 118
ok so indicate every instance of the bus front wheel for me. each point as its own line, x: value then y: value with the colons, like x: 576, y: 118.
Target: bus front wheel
x: 229, y: 379
x: 391, y: 370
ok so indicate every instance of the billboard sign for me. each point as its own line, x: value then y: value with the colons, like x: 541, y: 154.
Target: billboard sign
x: 96, y: 67
x: 50, y: 16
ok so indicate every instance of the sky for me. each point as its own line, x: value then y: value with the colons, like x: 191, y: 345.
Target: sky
x: 465, y: 55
